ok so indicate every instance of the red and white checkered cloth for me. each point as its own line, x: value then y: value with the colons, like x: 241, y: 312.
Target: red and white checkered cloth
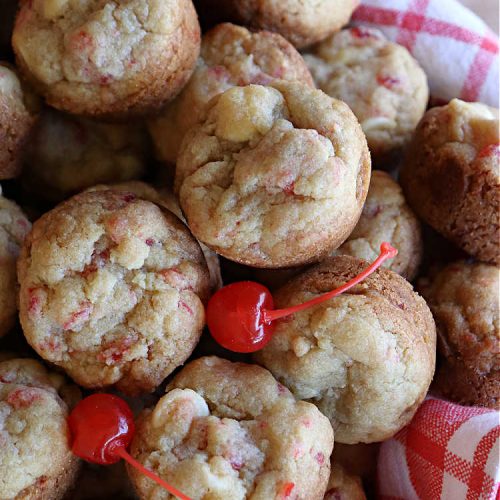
x: 447, y: 452
x: 455, y: 47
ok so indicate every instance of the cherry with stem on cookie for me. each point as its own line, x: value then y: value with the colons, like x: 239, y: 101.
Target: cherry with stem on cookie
x: 241, y: 316
x: 102, y: 427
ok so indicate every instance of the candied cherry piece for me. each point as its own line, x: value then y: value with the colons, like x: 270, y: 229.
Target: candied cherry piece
x: 102, y: 427
x: 240, y: 316
x: 490, y: 150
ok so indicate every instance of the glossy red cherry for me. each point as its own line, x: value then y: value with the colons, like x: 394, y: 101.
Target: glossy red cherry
x: 235, y: 316
x: 102, y: 427
x: 100, y: 424
x: 240, y: 316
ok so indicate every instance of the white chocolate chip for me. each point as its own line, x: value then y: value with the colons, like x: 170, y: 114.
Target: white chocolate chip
x: 247, y: 112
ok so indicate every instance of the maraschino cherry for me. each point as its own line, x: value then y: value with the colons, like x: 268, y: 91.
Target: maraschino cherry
x: 102, y: 427
x: 240, y: 316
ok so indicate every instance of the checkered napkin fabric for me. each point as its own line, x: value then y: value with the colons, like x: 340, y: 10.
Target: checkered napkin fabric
x: 455, y: 47
x: 447, y: 452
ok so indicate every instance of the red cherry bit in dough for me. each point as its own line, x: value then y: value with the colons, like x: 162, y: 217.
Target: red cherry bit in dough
x: 102, y: 427
x: 287, y: 489
x: 490, y: 150
x: 240, y: 316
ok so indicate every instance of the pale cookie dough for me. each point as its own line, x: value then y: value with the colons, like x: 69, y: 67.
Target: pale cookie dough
x: 275, y: 176
x: 14, y: 226
x: 106, y: 58
x: 451, y: 176
x: 35, y: 459
x: 112, y: 290
x: 230, y: 55
x: 386, y: 217
x: 231, y: 431
x: 165, y: 198
x: 379, y: 80
x: 67, y: 154
x: 343, y: 486
x: 303, y: 22
x: 17, y: 117
x: 463, y: 298
x: 365, y: 358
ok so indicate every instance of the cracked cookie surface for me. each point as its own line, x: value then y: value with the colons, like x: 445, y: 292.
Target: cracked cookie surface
x: 230, y: 430
x: 463, y: 298
x: 365, y: 358
x: 35, y: 458
x: 451, y: 176
x: 379, y: 80
x: 275, y: 176
x: 14, y: 226
x: 107, y: 58
x: 166, y: 198
x: 230, y: 55
x: 386, y: 217
x: 112, y: 290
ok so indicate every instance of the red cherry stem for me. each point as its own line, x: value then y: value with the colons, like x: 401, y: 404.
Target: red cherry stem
x: 121, y: 452
x: 386, y: 252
